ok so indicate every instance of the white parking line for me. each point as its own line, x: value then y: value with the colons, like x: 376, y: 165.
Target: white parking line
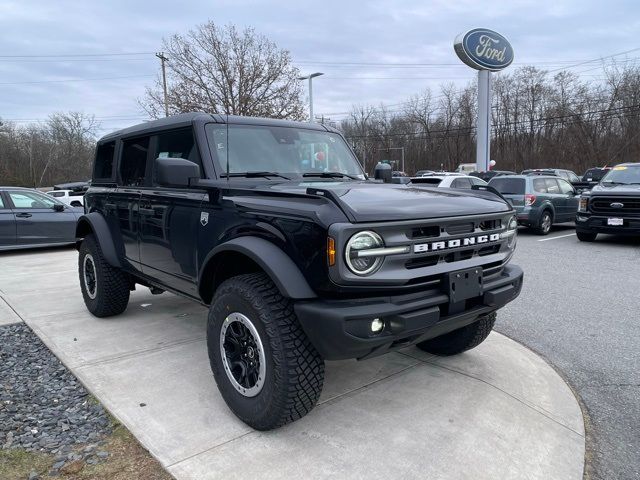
x: 559, y: 236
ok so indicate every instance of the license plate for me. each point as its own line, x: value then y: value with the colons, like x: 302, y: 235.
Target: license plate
x: 617, y: 222
x: 464, y: 284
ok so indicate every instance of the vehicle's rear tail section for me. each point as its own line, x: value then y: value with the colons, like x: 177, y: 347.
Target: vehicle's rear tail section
x: 513, y: 189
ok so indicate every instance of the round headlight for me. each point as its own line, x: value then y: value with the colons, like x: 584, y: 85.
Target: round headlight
x: 355, y: 253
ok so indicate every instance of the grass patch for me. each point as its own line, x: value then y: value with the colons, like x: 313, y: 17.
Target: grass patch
x: 127, y: 460
x: 18, y: 463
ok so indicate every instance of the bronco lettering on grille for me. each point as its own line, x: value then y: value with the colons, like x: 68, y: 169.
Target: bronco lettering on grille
x: 455, y: 243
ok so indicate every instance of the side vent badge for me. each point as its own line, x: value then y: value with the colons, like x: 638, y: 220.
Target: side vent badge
x: 204, y: 218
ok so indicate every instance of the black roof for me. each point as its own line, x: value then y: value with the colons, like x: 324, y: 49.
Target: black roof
x: 187, y: 119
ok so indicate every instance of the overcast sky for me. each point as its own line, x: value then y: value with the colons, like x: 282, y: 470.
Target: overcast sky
x: 550, y: 34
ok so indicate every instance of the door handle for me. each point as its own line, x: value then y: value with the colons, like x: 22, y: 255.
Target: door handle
x: 147, y: 211
x: 23, y: 215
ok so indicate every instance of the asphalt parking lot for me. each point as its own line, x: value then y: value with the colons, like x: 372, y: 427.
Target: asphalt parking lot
x: 579, y: 309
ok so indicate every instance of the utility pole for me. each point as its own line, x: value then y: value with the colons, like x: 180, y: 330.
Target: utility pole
x: 164, y: 59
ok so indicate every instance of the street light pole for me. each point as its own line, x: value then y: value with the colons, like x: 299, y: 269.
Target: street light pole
x: 310, y: 77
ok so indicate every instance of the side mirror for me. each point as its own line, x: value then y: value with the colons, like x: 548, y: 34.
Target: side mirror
x: 57, y: 207
x: 175, y: 172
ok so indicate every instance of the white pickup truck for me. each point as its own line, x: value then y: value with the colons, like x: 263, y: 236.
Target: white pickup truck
x: 70, y: 197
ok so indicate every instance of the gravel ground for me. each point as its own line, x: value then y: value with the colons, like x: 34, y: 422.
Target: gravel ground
x: 43, y: 407
x: 579, y: 309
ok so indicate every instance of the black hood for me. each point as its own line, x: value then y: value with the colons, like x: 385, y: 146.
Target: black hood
x: 622, y: 190
x: 371, y: 202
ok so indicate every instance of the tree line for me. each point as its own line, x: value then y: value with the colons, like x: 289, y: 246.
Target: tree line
x: 43, y: 154
x: 539, y: 119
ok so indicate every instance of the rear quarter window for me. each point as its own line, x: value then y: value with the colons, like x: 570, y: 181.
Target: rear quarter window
x: 508, y: 186
x: 103, y: 168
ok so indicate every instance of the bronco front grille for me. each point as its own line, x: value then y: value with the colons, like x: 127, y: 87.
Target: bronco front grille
x: 621, y: 205
x: 450, y: 257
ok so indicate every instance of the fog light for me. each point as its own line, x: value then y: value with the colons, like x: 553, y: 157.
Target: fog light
x: 580, y: 218
x: 377, y: 325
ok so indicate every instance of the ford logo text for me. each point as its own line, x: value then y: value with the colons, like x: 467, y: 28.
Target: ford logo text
x: 484, y: 49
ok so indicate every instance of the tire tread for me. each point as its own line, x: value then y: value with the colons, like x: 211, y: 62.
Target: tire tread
x: 301, y: 386
x: 113, y: 284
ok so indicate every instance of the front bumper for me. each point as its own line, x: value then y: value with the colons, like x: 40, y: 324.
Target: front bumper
x: 340, y: 329
x: 590, y: 223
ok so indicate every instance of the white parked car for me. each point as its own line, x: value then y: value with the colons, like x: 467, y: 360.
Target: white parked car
x: 447, y: 181
x: 71, y: 198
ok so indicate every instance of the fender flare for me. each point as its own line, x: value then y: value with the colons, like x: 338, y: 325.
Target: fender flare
x: 278, y: 265
x: 547, y: 206
x: 96, y: 223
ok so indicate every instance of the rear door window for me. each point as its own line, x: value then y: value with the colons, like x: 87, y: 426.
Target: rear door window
x: 133, y: 165
x: 552, y: 186
x: 539, y: 185
x: 508, y: 186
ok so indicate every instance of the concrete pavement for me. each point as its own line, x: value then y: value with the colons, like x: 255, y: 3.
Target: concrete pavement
x: 498, y: 411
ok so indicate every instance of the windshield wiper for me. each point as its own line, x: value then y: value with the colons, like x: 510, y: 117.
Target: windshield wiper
x: 612, y: 182
x: 330, y: 175
x: 253, y: 175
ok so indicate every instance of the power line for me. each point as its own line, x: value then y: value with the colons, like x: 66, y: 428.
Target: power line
x: 75, y: 80
x: 77, y: 55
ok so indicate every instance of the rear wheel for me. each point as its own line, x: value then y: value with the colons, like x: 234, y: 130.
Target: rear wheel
x: 266, y: 369
x: 544, y: 224
x: 586, y: 236
x: 460, y: 340
x: 105, y: 289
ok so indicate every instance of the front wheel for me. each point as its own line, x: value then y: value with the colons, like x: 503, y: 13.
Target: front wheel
x: 586, y: 236
x: 460, y: 340
x: 266, y: 369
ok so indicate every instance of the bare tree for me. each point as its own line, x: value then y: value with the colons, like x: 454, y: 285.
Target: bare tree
x: 42, y: 154
x: 223, y: 70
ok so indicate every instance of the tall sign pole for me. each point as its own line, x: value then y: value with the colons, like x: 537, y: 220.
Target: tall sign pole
x: 486, y: 51
x: 483, y: 124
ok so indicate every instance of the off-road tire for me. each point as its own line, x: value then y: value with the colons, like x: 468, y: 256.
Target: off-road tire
x: 294, y: 370
x: 460, y: 340
x: 112, y: 286
x: 541, y: 228
x: 586, y: 236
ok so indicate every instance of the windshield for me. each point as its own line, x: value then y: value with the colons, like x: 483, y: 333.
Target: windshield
x: 283, y: 150
x: 508, y: 186
x: 624, y: 175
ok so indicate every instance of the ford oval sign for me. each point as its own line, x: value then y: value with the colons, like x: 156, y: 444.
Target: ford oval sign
x: 484, y: 49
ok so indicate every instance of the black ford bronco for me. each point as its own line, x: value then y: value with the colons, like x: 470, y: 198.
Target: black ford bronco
x: 612, y: 206
x: 274, y: 225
